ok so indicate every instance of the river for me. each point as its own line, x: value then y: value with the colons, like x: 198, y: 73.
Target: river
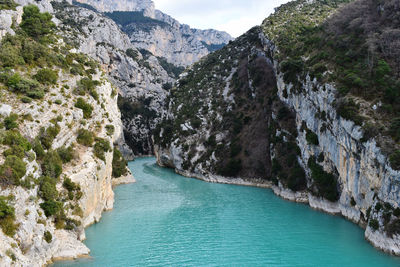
x: 165, y: 219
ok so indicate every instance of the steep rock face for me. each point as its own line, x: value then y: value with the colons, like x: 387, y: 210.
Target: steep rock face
x: 52, y: 117
x: 218, y: 108
x: 178, y: 43
x: 91, y: 174
x: 139, y: 79
x: 311, y: 153
x: 159, y: 33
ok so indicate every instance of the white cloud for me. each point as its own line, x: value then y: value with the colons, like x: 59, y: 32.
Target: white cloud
x: 232, y: 16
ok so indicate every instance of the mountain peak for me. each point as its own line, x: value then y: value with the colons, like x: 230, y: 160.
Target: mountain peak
x: 121, y: 5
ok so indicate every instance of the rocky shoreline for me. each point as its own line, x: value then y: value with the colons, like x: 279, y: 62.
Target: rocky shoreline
x: 74, y: 248
x: 377, y: 238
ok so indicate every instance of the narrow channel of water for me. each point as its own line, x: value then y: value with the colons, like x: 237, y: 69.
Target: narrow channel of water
x: 168, y: 220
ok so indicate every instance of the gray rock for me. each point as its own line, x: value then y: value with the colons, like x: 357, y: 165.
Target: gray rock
x: 5, y: 110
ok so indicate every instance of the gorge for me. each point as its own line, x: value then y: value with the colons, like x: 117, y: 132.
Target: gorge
x: 306, y: 104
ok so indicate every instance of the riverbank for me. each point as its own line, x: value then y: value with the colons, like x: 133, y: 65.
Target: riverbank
x: 75, y: 248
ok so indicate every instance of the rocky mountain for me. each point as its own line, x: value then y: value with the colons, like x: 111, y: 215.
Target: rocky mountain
x: 140, y: 79
x: 123, y: 5
x: 163, y: 36
x: 306, y: 104
x: 142, y: 71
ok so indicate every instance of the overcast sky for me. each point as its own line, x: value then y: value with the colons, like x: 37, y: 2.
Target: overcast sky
x: 232, y: 16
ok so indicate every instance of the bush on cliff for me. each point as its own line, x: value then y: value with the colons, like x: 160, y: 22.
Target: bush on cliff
x: 37, y: 25
x: 66, y: 153
x: 52, y: 164
x: 325, y: 182
x: 374, y: 224
x: 8, y: 5
x: 47, y: 135
x: 10, y: 122
x: 51, y: 207
x: 12, y: 170
x: 118, y: 164
x: 46, y: 76
x: 85, y: 137
x: 101, y: 147
x: 312, y: 138
x: 86, y: 108
x: 7, y: 218
x: 47, y: 188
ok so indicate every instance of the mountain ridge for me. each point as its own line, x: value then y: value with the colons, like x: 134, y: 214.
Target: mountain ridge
x: 178, y: 43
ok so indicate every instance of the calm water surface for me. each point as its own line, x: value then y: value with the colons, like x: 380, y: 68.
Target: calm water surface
x: 167, y: 220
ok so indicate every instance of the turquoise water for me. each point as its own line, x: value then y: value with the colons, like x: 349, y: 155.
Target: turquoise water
x: 167, y: 220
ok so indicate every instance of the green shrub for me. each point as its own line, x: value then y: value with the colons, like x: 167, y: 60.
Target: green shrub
x: 46, y: 76
x: 86, y: 85
x: 26, y: 99
x: 36, y: 24
x: 52, y: 164
x: 85, y: 107
x: 10, y: 122
x: 70, y: 186
x: 12, y: 170
x: 18, y: 84
x: 12, y: 138
x: 47, y: 188
x: 66, y: 154
x: 28, y: 182
x: 15, y: 150
x: 48, y: 237
x: 85, y: 137
x: 10, y: 56
x: 5, y: 209
x: 110, y: 129
x: 51, y: 207
x: 312, y: 138
x: 8, y: 5
x: 35, y: 94
x: 395, y: 160
x: 374, y: 224
x: 325, y: 182
x: 9, y: 226
x: 292, y: 68
x: 7, y: 218
x: 132, y: 53
x: 118, y: 164
x: 100, y: 148
x: 48, y: 135
x: 38, y: 148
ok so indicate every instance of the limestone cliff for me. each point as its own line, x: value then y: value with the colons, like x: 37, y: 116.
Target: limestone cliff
x: 162, y: 35
x: 140, y: 78
x: 59, y: 120
x: 273, y: 109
